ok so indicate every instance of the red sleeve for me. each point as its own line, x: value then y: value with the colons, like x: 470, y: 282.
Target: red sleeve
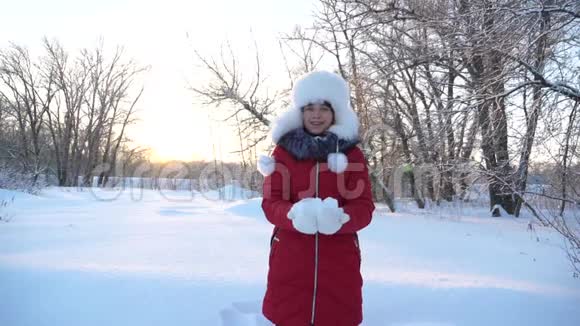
x: 276, y: 192
x: 358, y: 202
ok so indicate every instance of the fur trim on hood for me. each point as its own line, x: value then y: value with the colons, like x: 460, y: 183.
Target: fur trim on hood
x: 288, y: 129
x: 304, y: 146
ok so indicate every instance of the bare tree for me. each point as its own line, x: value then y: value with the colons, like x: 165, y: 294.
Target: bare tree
x: 249, y: 100
x: 69, y: 113
x: 28, y: 94
x: 64, y: 118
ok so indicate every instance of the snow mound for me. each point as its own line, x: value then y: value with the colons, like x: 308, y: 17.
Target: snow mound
x: 9, y: 195
x: 230, y: 193
x: 244, y: 314
x: 248, y: 208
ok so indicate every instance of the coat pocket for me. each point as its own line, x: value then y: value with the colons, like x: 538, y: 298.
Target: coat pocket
x: 274, y: 239
x: 357, y: 245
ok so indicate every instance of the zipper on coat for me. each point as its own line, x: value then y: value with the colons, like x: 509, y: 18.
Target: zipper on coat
x: 315, y: 256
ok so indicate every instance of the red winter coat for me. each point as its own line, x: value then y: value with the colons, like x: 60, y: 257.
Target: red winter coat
x: 315, y: 276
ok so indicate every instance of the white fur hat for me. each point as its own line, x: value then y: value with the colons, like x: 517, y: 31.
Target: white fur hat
x: 314, y: 87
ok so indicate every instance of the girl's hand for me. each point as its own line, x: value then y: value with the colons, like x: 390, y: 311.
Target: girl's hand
x: 304, y: 215
x: 331, y: 217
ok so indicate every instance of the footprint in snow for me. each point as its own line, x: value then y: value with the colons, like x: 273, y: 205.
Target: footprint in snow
x: 247, y: 313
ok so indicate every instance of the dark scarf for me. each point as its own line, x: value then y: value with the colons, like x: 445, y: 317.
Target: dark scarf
x: 303, y: 145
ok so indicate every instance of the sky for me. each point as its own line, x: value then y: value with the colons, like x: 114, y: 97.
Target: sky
x: 163, y: 35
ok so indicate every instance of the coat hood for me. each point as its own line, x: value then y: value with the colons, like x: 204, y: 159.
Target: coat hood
x: 315, y: 87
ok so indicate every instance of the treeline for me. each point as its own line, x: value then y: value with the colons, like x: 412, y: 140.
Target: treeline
x: 200, y: 175
x: 65, y: 115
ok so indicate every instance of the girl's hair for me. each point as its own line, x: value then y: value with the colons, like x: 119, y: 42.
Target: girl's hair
x: 325, y: 103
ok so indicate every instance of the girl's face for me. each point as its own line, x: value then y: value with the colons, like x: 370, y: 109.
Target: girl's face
x: 317, y: 118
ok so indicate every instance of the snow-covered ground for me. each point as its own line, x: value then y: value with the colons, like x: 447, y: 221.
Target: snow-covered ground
x: 176, y: 258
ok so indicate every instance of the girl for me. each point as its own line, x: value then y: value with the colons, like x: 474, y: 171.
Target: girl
x: 317, y: 195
